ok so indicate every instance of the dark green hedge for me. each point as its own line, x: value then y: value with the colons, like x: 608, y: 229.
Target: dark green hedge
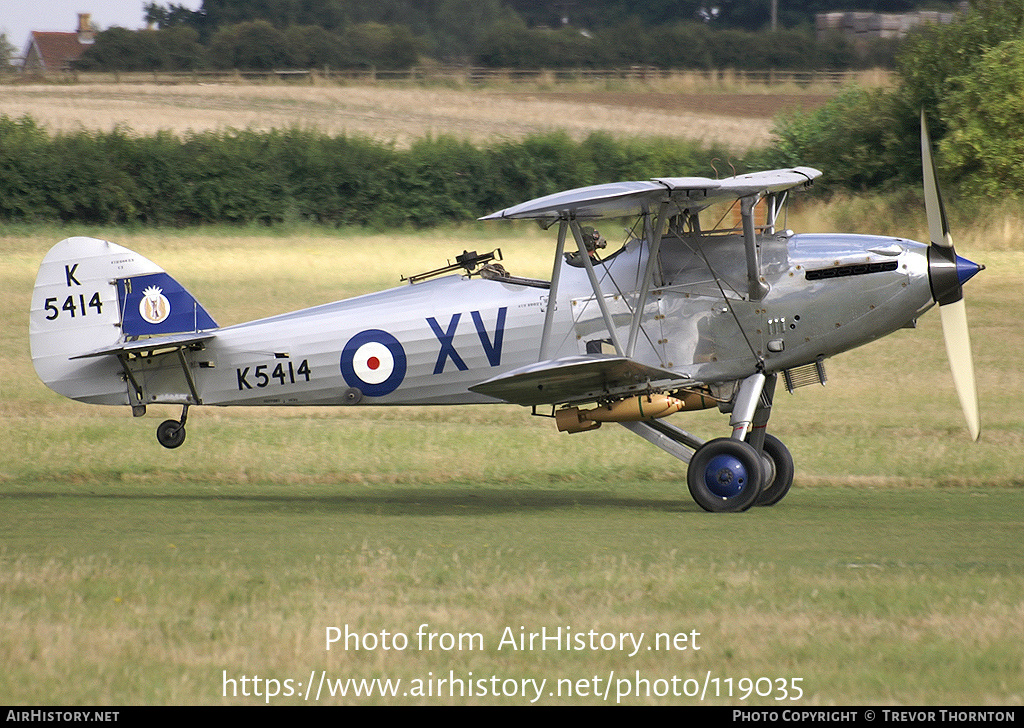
x: 296, y: 174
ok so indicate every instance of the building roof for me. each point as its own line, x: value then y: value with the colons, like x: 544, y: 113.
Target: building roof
x: 55, y: 50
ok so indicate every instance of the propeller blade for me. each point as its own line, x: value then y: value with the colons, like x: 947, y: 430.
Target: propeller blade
x: 948, y: 272
x: 938, y: 225
x: 958, y: 350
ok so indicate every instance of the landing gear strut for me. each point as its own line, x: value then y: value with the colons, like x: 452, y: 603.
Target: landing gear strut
x: 171, y: 433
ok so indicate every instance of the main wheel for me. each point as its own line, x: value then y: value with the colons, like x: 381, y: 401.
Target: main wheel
x: 725, y: 475
x: 775, y: 489
x: 170, y: 434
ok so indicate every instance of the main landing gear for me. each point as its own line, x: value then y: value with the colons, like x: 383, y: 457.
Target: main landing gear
x: 778, y: 474
x: 171, y: 433
x: 727, y: 475
x: 750, y: 468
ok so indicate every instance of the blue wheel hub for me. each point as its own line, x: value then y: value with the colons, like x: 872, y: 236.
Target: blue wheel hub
x: 725, y: 476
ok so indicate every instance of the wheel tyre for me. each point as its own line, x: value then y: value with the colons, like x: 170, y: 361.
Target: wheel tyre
x: 170, y: 434
x: 725, y: 475
x: 776, y: 489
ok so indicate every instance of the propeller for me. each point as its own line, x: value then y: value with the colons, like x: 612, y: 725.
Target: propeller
x: 948, y: 272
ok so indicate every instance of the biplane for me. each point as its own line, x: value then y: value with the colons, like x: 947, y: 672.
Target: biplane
x: 677, y: 318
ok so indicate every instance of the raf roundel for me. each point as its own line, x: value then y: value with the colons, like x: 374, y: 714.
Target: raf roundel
x: 373, y: 362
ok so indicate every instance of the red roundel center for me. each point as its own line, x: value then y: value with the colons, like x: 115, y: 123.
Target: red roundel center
x: 373, y: 363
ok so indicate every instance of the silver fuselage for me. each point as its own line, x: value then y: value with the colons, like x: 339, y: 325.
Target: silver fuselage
x: 427, y: 343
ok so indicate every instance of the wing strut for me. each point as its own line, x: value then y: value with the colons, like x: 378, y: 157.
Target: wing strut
x: 556, y: 272
x: 654, y: 236
x: 776, y: 202
x: 756, y: 289
x: 595, y: 285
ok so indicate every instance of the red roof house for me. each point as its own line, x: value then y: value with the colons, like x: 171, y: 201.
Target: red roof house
x: 54, y: 52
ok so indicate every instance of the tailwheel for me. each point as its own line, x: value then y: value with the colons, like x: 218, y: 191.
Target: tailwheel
x: 725, y: 475
x: 171, y: 433
x: 779, y: 472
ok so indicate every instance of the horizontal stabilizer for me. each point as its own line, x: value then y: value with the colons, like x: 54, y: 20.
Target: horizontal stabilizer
x: 573, y: 379
x: 155, y: 343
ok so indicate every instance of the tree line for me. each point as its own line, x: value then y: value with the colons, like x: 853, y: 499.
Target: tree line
x: 968, y: 77
x: 247, y: 35
x: 454, y: 17
x: 302, y: 175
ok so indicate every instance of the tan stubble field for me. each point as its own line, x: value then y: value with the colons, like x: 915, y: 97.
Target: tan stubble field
x: 401, y: 114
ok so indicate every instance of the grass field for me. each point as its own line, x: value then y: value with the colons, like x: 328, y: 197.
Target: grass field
x: 130, y: 574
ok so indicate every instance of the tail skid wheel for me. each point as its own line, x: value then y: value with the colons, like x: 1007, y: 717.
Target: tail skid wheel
x: 725, y: 475
x: 170, y: 434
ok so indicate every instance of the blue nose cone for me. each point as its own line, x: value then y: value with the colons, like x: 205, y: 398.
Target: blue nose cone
x: 966, y: 269
x: 948, y: 273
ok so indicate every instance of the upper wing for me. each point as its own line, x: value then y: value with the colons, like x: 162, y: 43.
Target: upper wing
x: 572, y: 379
x: 615, y: 199
x: 620, y: 199
x: 744, y: 185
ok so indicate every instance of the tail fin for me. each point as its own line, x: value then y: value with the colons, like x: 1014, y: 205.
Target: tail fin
x: 92, y: 295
